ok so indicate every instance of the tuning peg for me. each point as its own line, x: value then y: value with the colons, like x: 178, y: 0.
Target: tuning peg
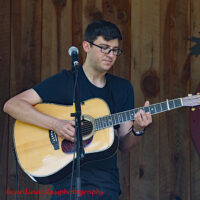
x: 193, y: 109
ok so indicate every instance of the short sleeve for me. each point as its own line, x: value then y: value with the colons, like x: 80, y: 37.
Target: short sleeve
x: 55, y: 88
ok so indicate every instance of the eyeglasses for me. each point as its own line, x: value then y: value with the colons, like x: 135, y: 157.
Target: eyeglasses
x: 106, y: 49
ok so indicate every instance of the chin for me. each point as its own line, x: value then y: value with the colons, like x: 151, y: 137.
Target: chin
x: 106, y: 69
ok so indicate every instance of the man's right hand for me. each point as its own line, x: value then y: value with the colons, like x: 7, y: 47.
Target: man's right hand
x: 65, y: 129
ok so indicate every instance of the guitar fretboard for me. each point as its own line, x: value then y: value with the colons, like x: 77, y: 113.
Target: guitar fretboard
x: 118, y: 118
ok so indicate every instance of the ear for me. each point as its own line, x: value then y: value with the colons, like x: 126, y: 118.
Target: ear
x: 86, y: 46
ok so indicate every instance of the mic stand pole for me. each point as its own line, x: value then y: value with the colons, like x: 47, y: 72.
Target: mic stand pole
x: 78, y: 136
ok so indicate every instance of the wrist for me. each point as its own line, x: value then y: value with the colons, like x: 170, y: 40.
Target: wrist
x: 54, y: 124
x: 137, y: 133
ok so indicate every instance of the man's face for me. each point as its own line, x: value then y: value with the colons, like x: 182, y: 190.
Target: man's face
x: 102, y: 62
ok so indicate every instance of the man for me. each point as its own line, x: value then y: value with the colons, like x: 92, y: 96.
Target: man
x: 101, y: 44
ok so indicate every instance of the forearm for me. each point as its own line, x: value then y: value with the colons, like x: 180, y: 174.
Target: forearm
x: 24, y: 111
x: 128, y: 141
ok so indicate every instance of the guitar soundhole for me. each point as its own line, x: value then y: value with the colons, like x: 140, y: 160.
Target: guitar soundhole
x: 70, y: 147
x: 86, y: 129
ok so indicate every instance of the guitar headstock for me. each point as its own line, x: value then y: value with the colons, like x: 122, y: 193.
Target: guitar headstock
x: 191, y: 100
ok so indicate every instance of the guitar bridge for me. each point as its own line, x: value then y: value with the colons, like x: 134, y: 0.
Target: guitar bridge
x: 54, y: 139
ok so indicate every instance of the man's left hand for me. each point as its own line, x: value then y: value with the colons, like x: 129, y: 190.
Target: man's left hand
x: 142, y: 119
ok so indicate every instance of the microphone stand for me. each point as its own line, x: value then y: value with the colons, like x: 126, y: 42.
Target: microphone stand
x: 78, y: 136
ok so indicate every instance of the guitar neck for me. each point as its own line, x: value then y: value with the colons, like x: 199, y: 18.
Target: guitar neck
x: 119, y: 118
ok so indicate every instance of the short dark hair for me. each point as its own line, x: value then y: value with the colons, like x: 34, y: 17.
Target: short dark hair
x: 106, y: 29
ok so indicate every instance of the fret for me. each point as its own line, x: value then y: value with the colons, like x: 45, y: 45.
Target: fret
x: 96, y: 127
x: 167, y: 101
x: 119, y: 117
x: 104, y: 122
x: 132, y: 114
x: 177, y: 103
x: 113, y: 119
x: 128, y: 117
x: 136, y: 110
x: 171, y: 104
x: 146, y: 109
x: 116, y: 119
x: 123, y: 116
x: 158, y: 107
x: 96, y: 124
x: 164, y: 106
x: 101, y: 122
x: 107, y: 121
x: 152, y: 109
x: 110, y: 122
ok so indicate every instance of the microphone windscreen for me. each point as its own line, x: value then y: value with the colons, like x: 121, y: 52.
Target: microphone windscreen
x: 72, y: 49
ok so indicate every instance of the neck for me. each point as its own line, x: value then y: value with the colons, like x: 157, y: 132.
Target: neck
x: 95, y: 77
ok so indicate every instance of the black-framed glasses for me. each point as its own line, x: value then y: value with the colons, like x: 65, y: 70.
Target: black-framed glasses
x: 106, y: 49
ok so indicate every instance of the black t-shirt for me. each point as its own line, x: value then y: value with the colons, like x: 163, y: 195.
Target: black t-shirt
x: 118, y: 93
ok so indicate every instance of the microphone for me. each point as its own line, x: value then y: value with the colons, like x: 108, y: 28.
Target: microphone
x: 73, y: 52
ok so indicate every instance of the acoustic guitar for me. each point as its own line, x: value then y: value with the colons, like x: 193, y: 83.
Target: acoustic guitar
x: 47, y: 158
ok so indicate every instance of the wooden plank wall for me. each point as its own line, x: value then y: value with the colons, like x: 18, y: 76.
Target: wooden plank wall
x: 34, y: 38
x: 5, y: 32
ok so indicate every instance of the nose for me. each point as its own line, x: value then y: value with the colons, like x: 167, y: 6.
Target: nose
x: 111, y: 53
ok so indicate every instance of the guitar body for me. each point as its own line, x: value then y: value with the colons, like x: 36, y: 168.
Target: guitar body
x: 45, y: 164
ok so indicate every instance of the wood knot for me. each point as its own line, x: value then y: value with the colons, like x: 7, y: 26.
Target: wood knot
x: 150, y: 84
x: 93, y: 14
x: 97, y: 15
x: 122, y: 16
x: 109, y: 7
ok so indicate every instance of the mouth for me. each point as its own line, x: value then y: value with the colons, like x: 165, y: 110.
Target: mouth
x: 107, y: 61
